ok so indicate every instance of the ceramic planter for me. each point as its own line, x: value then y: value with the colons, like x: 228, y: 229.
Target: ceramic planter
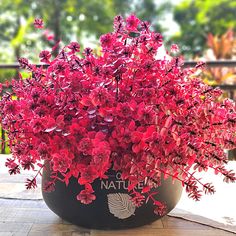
x: 112, y: 208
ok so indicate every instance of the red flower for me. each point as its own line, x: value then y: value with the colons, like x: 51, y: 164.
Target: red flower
x: 118, y: 24
x: 38, y: 23
x: 48, y: 35
x: 160, y: 209
x: 174, y: 48
x: 101, y: 154
x: 132, y: 23
x: 157, y: 38
x: 86, y: 197
x: 146, y: 114
x: 37, y: 125
x: 124, y: 109
x: 74, y: 47
x: 106, y: 40
x: 99, y: 97
x: 138, y: 199
x: 85, y: 146
x: 59, y: 67
x: 45, y: 56
x: 62, y: 161
x: 88, y: 175
x: 24, y: 63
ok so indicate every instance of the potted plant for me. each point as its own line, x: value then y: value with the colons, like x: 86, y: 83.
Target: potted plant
x: 117, y: 135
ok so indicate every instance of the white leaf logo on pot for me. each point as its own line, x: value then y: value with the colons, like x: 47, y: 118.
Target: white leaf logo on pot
x: 121, y: 205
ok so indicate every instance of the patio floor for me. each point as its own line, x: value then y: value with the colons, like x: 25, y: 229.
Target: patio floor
x: 33, y: 218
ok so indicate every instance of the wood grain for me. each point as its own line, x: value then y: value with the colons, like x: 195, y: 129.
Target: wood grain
x: 33, y: 218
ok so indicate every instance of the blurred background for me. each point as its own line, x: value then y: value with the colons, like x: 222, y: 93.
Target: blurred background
x: 200, y: 28
x: 203, y: 29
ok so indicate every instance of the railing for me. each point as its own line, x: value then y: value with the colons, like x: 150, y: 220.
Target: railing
x: 219, y: 63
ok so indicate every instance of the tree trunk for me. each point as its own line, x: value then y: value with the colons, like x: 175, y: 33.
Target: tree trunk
x: 17, y: 50
x: 57, y: 28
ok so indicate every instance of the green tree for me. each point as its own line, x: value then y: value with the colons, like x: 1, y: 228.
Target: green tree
x: 66, y: 19
x: 148, y: 10
x: 95, y: 17
x: 15, y: 18
x: 197, y: 18
x: 15, y: 21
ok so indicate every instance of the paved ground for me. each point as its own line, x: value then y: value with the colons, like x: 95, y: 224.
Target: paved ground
x: 33, y: 218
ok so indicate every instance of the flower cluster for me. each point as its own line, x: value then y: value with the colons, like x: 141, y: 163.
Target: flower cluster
x: 123, y: 109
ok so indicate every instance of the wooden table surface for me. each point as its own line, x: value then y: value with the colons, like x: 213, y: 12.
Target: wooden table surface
x: 33, y: 218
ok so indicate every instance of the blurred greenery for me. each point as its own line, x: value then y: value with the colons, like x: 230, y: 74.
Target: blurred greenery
x: 85, y: 20
x: 6, y: 74
x: 65, y: 20
x: 6, y: 147
x: 197, y: 18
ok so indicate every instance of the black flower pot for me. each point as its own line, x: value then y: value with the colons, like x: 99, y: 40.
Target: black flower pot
x: 112, y: 208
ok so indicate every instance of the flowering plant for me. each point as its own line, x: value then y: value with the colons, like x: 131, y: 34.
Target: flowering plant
x: 125, y: 110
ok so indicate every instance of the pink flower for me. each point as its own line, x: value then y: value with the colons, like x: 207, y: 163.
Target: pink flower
x: 48, y: 35
x: 45, y: 55
x: 174, y: 48
x: 85, y: 146
x: 61, y: 161
x: 118, y: 24
x: 24, y: 63
x: 86, y: 197
x: 106, y: 40
x: 101, y: 154
x: 74, y: 47
x: 132, y: 23
x: 160, y: 209
x: 38, y: 23
x: 88, y: 175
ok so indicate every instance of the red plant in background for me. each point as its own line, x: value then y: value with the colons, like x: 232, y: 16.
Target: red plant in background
x: 124, y: 110
x: 38, y: 23
x: 220, y: 48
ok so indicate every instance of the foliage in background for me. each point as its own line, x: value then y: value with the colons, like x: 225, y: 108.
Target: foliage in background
x: 198, y: 18
x: 223, y: 46
x: 85, y: 21
x: 73, y: 20
x: 7, y: 74
x: 220, y: 47
x: 65, y: 20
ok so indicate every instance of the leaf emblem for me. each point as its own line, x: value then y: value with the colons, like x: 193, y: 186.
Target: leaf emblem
x: 121, y: 205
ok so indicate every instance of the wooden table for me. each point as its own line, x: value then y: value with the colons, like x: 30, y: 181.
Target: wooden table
x: 33, y: 218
